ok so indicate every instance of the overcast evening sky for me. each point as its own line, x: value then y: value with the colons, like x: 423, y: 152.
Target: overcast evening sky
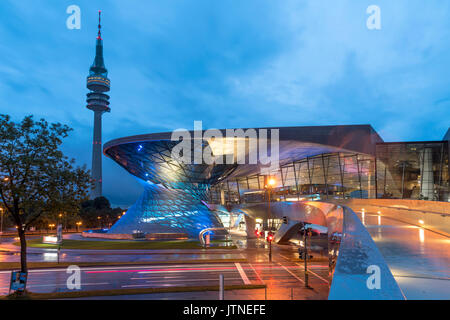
x: 229, y: 63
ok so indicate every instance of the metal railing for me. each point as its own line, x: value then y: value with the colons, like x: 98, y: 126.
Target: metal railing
x: 200, y: 235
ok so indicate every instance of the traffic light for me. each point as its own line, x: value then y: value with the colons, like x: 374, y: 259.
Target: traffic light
x: 302, y: 254
x: 258, y: 233
x: 285, y: 220
x: 270, y: 237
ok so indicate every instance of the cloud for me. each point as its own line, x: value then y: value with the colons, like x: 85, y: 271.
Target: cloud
x: 229, y: 64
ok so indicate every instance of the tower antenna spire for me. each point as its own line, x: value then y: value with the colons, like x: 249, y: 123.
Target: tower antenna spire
x: 99, y: 25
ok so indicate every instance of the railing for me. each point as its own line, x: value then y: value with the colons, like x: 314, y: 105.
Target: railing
x: 200, y: 235
x: 358, y: 269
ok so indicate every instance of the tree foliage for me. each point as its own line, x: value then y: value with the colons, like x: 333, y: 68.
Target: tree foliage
x: 98, y: 213
x: 36, y: 179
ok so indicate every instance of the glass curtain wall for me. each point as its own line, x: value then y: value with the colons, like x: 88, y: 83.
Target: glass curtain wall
x: 326, y: 176
x: 413, y: 170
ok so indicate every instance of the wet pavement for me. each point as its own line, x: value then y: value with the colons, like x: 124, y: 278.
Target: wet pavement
x: 11, y: 253
x: 284, y: 278
x: 418, y: 258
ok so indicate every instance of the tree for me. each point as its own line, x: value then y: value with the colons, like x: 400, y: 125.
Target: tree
x: 36, y: 179
x: 100, y: 207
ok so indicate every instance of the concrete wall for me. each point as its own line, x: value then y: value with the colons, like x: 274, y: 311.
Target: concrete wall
x: 434, y: 214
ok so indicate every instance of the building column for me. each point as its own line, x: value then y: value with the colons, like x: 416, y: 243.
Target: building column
x: 96, y: 173
x: 426, y: 174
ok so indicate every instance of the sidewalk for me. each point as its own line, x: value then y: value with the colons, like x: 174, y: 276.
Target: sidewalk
x: 298, y: 293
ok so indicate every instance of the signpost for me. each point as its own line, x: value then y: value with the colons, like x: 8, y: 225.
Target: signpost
x: 305, y: 237
x: 59, y: 236
x: 18, y: 281
x: 221, y: 287
x: 54, y: 239
x: 59, y: 233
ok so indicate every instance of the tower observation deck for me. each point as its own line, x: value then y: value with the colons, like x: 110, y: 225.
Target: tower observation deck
x: 97, y: 101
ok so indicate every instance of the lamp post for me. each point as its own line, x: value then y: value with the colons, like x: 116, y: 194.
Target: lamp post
x: 60, y: 221
x: 306, y: 233
x: 270, y: 183
x: 78, y: 225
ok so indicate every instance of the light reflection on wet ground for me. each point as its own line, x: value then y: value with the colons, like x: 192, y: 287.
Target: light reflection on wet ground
x: 418, y: 258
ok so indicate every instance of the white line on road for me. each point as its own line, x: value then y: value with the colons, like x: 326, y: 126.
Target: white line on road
x: 254, y: 270
x: 190, y: 280
x: 291, y: 273
x: 183, y: 271
x: 146, y: 266
x: 285, y: 257
x: 242, y: 273
x: 309, y: 271
x: 63, y: 285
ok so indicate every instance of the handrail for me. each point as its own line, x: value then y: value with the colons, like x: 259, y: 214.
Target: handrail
x: 201, y: 233
x: 354, y: 258
x: 361, y: 272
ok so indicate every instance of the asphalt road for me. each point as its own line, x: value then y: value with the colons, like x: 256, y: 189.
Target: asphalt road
x: 419, y: 260
x: 281, y: 277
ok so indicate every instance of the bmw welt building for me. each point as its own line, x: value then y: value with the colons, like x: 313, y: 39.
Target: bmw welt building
x: 192, y: 180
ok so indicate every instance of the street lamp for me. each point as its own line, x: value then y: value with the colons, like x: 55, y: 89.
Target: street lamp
x: 270, y: 183
x: 99, y: 222
x: 61, y: 220
x: 78, y: 225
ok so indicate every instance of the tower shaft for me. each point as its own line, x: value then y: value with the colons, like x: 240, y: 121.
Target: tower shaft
x: 97, y: 155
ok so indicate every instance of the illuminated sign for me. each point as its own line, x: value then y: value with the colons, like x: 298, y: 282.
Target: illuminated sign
x: 50, y: 239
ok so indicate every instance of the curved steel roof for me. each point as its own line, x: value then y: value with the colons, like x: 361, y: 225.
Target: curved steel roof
x: 148, y: 156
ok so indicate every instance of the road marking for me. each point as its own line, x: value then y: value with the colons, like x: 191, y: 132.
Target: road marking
x: 309, y: 271
x: 291, y: 273
x: 181, y: 271
x: 242, y: 273
x: 122, y: 268
x: 190, y: 280
x: 64, y: 284
x: 156, y: 277
x: 135, y: 285
x: 254, y: 270
x: 285, y: 257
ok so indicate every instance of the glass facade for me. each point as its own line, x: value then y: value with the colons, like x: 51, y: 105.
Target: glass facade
x: 177, y: 194
x: 325, y: 176
x: 413, y: 170
x: 162, y: 210
x: 407, y: 170
x: 153, y: 161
